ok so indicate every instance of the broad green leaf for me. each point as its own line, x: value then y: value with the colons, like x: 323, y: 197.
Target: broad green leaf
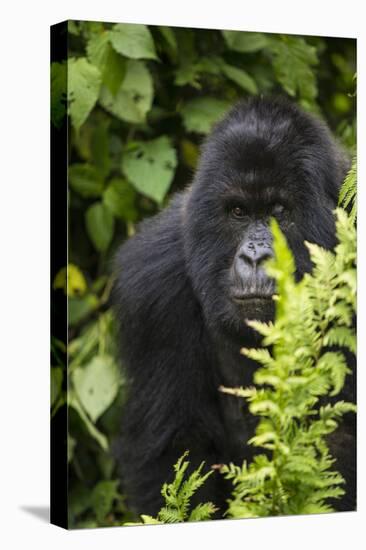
x: 97, y: 384
x: 71, y: 280
x: 150, y: 167
x: 100, y: 225
x: 58, y: 93
x: 83, y: 86
x: 134, y: 98
x: 93, y: 431
x: 242, y: 41
x: 56, y: 383
x: 199, y: 115
x: 85, y: 180
x: 240, y: 77
x: 97, y: 50
x: 102, y: 497
x: 79, y: 308
x: 115, y: 71
x: 293, y: 59
x: 112, y: 66
x: 120, y: 198
x: 133, y: 41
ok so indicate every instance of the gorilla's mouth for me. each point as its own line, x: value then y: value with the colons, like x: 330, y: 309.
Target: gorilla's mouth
x: 243, y: 299
x: 258, y: 306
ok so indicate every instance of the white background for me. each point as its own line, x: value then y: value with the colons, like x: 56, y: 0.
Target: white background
x: 24, y: 261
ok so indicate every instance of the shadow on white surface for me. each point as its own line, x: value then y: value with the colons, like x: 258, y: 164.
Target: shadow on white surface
x: 40, y: 512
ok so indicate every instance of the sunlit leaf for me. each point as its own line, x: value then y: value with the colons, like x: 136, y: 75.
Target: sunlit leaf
x: 112, y: 66
x: 97, y: 384
x: 134, y: 97
x: 150, y: 167
x: 71, y: 280
x: 83, y: 86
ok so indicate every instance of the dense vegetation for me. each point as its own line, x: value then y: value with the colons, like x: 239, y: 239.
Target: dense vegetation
x: 138, y: 102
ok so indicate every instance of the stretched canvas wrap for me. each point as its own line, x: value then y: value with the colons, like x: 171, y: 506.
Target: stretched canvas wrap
x: 203, y: 274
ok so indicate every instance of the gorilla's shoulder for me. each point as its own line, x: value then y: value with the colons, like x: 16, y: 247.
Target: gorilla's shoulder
x: 150, y: 266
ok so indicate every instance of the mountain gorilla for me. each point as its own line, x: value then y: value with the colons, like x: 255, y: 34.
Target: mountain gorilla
x: 191, y: 277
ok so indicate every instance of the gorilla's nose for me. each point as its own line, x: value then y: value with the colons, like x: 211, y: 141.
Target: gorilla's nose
x: 254, y: 253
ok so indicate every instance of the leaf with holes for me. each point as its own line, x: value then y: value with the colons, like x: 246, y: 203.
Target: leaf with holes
x: 150, y: 167
x: 134, y: 98
x: 199, y: 115
x: 100, y: 225
x: 133, y: 41
x: 97, y: 385
x: 83, y: 84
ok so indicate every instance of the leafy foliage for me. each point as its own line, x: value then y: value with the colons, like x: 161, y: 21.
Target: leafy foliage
x: 138, y: 100
x: 178, y: 494
x: 347, y: 195
x: 83, y: 89
x: 296, y: 476
x: 149, y: 166
x: 293, y: 59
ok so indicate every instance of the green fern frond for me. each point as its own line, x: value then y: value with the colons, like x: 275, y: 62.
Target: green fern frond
x: 347, y: 194
x: 202, y: 512
x: 296, y: 370
x: 178, y: 494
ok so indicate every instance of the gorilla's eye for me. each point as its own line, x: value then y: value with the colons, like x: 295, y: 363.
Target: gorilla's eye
x: 277, y: 209
x: 237, y: 212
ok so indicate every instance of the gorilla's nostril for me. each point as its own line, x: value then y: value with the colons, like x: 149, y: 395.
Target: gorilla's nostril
x: 252, y: 253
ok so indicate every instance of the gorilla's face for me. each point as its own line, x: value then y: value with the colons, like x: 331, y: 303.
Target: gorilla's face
x: 257, y: 164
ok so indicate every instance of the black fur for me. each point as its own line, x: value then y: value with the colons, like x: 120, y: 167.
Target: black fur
x: 180, y: 330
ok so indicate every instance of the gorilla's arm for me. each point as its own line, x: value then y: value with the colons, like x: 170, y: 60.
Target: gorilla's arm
x: 165, y: 351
